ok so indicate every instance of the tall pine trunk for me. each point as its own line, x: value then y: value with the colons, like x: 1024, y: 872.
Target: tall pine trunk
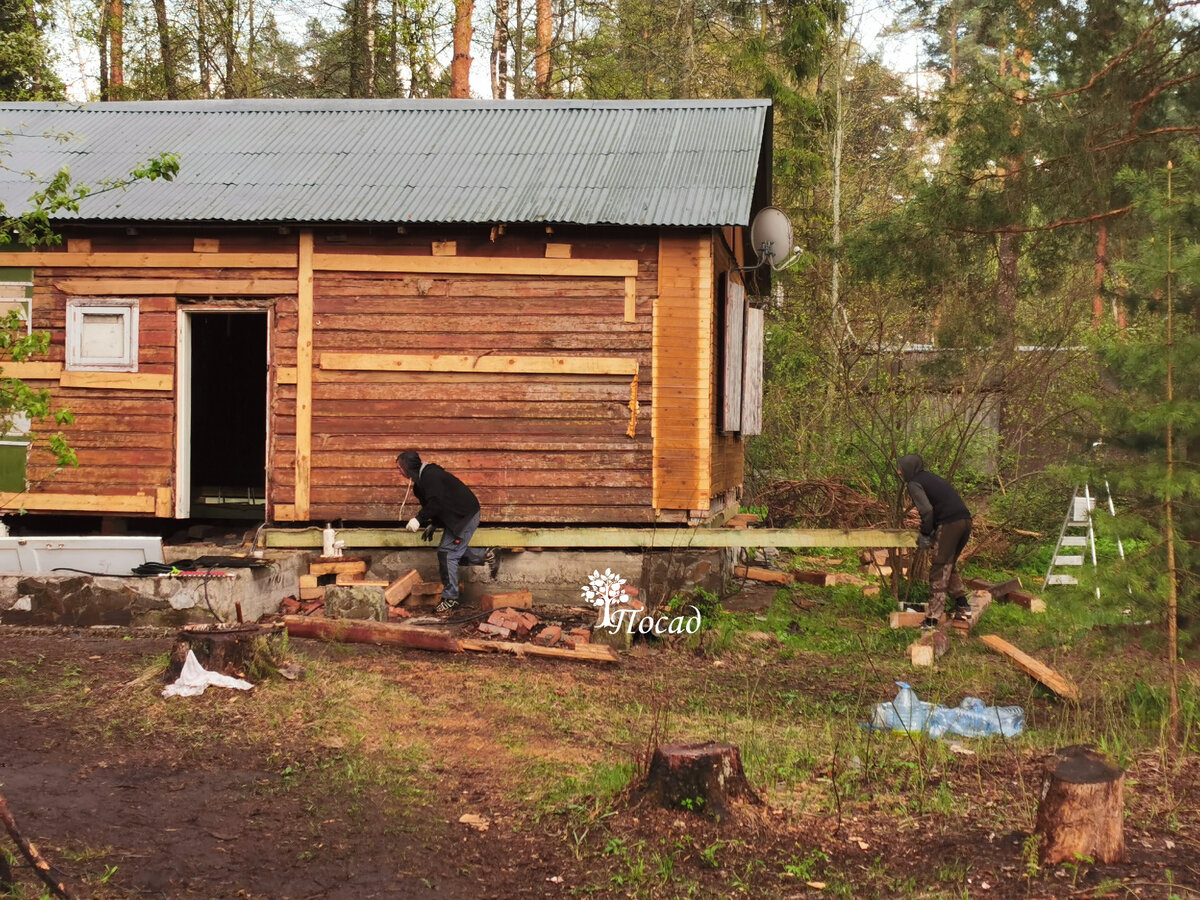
x: 170, y: 76
x: 542, y: 63
x: 1173, y: 721
x: 1101, y: 268
x: 116, y: 48
x: 202, y: 49
x: 499, y: 66
x: 368, y: 48
x: 460, y: 65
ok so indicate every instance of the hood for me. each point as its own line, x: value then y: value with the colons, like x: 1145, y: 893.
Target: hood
x: 910, y: 465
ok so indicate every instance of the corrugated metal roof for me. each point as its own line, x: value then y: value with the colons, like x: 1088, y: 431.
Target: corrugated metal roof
x: 393, y: 161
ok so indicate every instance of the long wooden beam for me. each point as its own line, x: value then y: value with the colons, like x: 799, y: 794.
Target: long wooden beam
x: 473, y: 265
x: 615, y: 538
x: 439, y: 362
x: 123, y: 381
x: 171, y: 287
x: 49, y: 258
x: 98, y: 503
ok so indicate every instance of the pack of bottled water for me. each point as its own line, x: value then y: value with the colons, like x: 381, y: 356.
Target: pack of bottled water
x: 971, y: 718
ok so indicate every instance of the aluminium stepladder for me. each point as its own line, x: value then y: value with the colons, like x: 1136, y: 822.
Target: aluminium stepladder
x: 1078, y: 531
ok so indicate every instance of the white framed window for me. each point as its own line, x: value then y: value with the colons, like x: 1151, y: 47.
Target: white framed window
x: 102, y: 335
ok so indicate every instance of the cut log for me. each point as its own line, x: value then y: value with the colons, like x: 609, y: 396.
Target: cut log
x: 755, y: 573
x: 928, y: 647
x: 355, y: 631
x: 237, y: 650
x: 1081, y: 813
x: 700, y: 778
x: 511, y: 600
x: 1030, y: 666
x: 402, y: 587
x: 582, y: 652
x: 821, y: 579
x: 53, y: 878
x: 344, y: 565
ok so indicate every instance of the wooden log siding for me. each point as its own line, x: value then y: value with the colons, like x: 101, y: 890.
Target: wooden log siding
x: 682, y: 391
x: 534, y: 447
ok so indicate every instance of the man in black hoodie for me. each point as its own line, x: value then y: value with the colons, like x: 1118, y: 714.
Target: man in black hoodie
x: 945, y: 527
x: 447, y: 502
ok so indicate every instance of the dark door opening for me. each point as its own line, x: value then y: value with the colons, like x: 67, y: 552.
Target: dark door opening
x: 228, y: 414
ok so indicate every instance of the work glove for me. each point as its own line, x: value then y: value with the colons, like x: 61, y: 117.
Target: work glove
x: 925, y: 541
x: 413, y: 525
x: 427, y: 534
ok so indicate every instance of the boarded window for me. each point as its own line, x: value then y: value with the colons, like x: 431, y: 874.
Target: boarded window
x: 102, y: 335
x: 735, y: 315
x: 752, y: 373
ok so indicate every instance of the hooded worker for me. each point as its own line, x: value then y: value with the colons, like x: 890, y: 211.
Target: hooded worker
x: 448, y: 503
x: 945, y: 528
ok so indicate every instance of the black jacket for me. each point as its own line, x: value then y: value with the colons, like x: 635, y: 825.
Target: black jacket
x: 935, y: 498
x: 444, y: 499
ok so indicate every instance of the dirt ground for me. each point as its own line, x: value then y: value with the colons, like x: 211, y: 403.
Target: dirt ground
x: 211, y: 812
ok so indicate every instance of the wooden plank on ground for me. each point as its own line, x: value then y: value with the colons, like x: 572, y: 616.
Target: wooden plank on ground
x: 928, y: 647
x: 512, y: 599
x: 401, y: 588
x: 361, y: 631
x: 1032, y: 667
x: 755, y: 573
x: 582, y: 653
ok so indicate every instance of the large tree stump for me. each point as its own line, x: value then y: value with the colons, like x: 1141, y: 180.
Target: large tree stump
x: 701, y: 778
x: 238, y: 650
x: 1081, y: 813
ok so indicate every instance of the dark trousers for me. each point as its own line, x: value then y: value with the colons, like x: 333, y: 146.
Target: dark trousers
x: 948, y: 545
x: 453, y: 550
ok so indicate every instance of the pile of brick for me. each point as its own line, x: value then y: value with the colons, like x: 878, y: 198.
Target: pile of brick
x: 337, y: 587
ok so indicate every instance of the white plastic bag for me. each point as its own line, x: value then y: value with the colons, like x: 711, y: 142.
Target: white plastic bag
x: 194, y: 679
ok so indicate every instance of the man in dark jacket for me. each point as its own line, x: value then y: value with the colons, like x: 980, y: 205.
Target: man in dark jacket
x: 945, y: 527
x: 446, y: 502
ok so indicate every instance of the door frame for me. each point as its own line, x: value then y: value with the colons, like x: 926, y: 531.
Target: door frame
x: 183, y: 399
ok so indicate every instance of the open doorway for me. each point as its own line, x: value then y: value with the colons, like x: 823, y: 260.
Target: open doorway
x: 222, y: 446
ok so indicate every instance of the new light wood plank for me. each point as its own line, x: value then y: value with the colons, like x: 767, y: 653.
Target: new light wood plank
x: 1032, y: 667
x: 123, y: 381
x: 558, y: 251
x: 27, y: 371
x: 755, y: 573
x: 164, y: 503
x: 169, y: 287
x: 50, y: 259
x: 304, y: 368
x: 472, y: 265
x: 444, y: 248
x: 526, y: 365
x: 97, y: 503
x: 399, y: 589
x: 582, y: 653
x: 206, y: 245
x: 630, y: 299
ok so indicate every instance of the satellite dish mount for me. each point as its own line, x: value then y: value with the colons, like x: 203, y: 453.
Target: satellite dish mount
x: 771, y: 237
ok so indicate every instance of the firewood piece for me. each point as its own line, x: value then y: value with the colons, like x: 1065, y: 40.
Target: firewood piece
x: 510, y: 600
x: 582, y: 652
x: 755, y: 573
x: 928, y: 647
x: 337, y: 566
x: 228, y: 649
x: 906, y: 619
x: 399, y: 589
x: 54, y: 879
x: 1081, y: 813
x: 978, y: 602
x: 702, y: 778
x: 360, y: 631
x: 1030, y: 666
x: 1030, y: 602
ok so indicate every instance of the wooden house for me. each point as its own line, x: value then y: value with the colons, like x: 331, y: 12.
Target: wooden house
x: 543, y: 297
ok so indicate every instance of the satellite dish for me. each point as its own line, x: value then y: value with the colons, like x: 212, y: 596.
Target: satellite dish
x: 771, y: 236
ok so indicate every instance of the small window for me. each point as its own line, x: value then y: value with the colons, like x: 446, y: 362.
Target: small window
x: 102, y: 335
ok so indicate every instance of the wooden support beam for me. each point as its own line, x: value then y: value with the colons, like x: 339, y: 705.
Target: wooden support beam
x: 58, y: 259
x: 349, y: 565
x: 171, y: 287
x: 304, y: 367
x: 119, y: 381
x: 1032, y: 667
x: 511, y: 600
x: 522, y: 365
x: 644, y: 538
x: 471, y: 265
x: 401, y: 588
x: 116, y: 504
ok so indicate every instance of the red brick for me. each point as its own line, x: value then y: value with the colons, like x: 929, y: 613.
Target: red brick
x: 581, y: 635
x: 548, y: 636
x: 498, y: 630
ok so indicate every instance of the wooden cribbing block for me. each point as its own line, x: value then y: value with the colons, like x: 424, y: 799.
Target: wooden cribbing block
x: 928, y: 647
x: 401, y: 587
x: 1030, y: 602
x: 312, y: 593
x: 345, y: 565
x: 344, y: 578
x: 906, y: 619
x: 742, y: 520
x: 308, y: 581
x: 979, y: 602
x: 1030, y: 666
x: 754, y: 573
x: 511, y: 600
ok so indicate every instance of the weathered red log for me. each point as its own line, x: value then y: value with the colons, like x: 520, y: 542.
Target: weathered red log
x: 361, y: 631
x: 1081, y: 814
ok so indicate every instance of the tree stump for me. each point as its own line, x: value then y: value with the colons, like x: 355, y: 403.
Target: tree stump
x: 237, y: 650
x: 1081, y: 813
x: 701, y: 778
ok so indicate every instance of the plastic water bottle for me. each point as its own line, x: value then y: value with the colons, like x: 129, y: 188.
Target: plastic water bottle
x: 972, y: 719
x: 906, y: 713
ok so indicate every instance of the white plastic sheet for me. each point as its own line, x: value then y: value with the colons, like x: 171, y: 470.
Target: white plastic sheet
x: 194, y: 679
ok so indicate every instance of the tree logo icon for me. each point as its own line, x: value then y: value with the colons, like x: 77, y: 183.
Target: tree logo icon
x: 605, y: 590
